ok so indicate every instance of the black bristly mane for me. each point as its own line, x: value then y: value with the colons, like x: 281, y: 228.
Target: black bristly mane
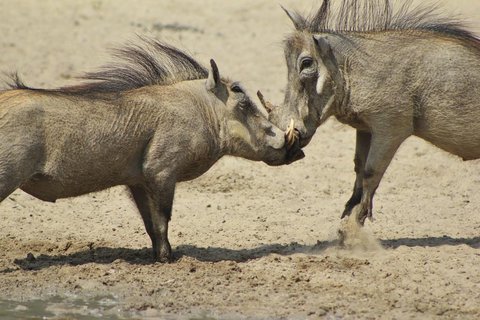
x: 381, y: 15
x: 148, y: 62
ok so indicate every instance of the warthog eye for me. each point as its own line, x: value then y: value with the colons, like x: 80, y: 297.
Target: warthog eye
x: 236, y: 88
x: 306, y: 63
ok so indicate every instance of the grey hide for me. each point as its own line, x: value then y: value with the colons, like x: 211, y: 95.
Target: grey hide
x: 387, y: 73
x: 154, y: 120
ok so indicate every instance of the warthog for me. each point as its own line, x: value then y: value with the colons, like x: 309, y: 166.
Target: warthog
x: 389, y: 74
x: 155, y: 118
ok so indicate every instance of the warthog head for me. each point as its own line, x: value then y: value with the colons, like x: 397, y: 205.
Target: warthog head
x: 315, y: 83
x: 247, y: 132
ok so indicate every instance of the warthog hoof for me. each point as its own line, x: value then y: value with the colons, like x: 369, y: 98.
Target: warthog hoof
x: 361, y: 213
x: 163, y: 254
x: 347, y: 211
x: 163, y: 259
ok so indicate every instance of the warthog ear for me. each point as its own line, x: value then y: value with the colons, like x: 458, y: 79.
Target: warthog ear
x: 324, y: 47
x: 328, y: 58
x: 330, y: 70
x: 298, y: 20
x: 213, y: 79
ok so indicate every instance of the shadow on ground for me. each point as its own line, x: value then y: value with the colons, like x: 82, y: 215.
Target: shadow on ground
x: 106, y: 255
x: 431, y: 242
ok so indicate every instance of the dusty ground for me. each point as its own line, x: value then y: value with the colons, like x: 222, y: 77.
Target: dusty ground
x: 250, y: 241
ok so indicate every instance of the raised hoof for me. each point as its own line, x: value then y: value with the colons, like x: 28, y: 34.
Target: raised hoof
x: 347, y: 211
x: 362, y: 217
x: 361, y: 220
x: 352, y: 203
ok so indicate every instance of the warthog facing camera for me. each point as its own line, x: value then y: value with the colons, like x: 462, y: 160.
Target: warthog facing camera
x: 389, y: 74
x: 156, y: 118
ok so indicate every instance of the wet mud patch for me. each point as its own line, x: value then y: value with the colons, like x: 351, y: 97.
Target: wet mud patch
x: 56, y: 307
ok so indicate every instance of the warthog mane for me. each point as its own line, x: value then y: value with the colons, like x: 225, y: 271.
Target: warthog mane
x: 381, y: 15
x: 142, y: 63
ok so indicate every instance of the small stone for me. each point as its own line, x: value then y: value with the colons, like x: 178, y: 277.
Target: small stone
x: 321, y: 312
x: 30, y: 257
x: 20, y: 308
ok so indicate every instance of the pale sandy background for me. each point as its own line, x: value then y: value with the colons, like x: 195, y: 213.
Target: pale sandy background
x: 251, y: 241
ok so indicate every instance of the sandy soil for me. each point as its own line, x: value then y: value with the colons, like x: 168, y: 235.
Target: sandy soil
x: 250, y: 241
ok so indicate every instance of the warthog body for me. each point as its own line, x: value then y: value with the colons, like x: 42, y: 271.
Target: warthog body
x: 156, y: 119
x: 389, y: 74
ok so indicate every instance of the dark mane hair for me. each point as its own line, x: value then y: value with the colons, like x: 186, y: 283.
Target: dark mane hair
x: 148, y: 62
x: 380, y: 15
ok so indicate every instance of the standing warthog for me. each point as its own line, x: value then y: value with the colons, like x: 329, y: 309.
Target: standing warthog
x: 155, y: 119
x: 387, y: 73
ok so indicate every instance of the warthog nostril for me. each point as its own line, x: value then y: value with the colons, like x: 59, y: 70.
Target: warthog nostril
x: 297, y: 133
x: 270, y: 132
x: 301, y: 131
x: 302, y: 137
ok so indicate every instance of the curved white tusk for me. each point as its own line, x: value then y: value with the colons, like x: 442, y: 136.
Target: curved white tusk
x: 290, y: 134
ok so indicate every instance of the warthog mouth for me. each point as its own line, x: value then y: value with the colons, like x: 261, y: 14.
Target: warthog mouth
x: 292, y: 142
x: 292, y: 135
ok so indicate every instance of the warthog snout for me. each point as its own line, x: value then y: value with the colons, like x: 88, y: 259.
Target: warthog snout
x: 301, y: 133
x: 294, y: 134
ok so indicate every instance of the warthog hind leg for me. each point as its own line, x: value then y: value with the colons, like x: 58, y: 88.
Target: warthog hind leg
x: 7, y: 187
x: 14, y: 172
x: 361, y: 152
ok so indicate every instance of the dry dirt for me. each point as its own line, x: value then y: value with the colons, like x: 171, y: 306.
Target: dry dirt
x: 250, y: 241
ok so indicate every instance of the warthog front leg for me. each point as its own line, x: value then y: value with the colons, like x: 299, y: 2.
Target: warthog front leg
x: 140, y: 197
x: 155, y: 205
x: 361, y: 151
x: 382, y: 149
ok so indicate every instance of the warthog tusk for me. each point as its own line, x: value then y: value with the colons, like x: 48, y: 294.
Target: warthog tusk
x: 267, y: 105
x: 291, y: 135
